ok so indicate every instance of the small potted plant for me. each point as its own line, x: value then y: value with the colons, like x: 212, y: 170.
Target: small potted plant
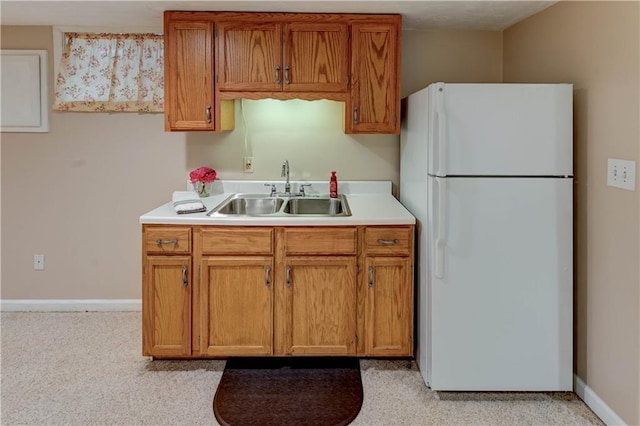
x: 202, y: 180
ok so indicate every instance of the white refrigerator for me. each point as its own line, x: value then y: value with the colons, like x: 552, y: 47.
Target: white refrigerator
x: 487, y: 170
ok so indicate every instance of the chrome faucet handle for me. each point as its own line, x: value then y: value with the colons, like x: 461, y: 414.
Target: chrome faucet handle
x: 273, y: 189
x: 302, y: 185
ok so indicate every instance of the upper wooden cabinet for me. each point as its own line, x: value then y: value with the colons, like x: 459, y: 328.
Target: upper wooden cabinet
x: 212, y: 58
x: 249, y: 56
x: 374, y: 104
x: 254, y: 56
x: 315, y: 57
x: 188, y: 69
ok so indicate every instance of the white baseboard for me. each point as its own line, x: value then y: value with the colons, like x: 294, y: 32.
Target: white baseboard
x: 70, y: 305
x: 602, y: 410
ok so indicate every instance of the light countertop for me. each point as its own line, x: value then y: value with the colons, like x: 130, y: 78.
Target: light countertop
x: 371, y: 203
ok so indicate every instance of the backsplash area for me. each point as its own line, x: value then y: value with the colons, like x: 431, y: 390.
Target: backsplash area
x: 316, y: 188
x: 307, y: 133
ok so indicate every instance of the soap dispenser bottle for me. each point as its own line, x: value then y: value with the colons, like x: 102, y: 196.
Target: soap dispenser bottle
x: 333, y: 186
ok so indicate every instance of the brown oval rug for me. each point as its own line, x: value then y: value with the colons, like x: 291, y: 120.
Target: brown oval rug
x: 289, y: 391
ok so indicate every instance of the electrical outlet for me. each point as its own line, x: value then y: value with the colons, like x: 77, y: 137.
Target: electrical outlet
x: 621, y: 174
x: 248, y: 164
x: 38, y: 262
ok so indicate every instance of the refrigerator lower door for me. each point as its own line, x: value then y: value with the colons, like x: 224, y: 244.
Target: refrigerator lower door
x: 500, y: 302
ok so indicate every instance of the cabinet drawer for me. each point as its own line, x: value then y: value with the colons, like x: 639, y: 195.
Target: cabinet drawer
x: 320, y: 241
x: 388, y: 240
x: 167, y: 239
x: 237, y: 241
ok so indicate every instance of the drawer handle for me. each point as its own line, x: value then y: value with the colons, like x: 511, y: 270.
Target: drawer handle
x: 267, y: 275
x: 160, y: 242
x: 389, y: 242
x: 185, y: 283
x: 371, y: 270
x: 288, y: 276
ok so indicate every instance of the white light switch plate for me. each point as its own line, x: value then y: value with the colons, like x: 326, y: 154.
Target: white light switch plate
x: 621, y: 174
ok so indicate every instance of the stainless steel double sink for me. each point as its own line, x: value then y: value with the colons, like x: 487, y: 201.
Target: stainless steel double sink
x: 264, y: 205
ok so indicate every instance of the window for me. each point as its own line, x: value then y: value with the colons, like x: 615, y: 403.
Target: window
x: 111, y: 72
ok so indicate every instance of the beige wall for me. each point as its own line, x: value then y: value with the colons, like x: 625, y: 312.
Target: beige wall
x: 450, y: 56
x: 595, y: 46
x: 75, y: 193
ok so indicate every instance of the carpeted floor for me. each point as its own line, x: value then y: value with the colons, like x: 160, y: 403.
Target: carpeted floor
x: 87, y: 369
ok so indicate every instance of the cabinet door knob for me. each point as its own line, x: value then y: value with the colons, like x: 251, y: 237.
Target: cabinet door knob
x: 355, y: 114
x: 185, y: 283
x: 267, y: 275
x: 288, y: 276
x: 371, y: 270
x: 286, y: 75
x: 208, y: 113
x: 278, y: 74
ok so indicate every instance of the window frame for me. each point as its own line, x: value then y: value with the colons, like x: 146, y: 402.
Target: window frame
x: 43, y: 81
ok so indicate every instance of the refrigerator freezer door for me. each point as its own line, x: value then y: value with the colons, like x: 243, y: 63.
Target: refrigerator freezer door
x: 501, y: 313
x: 501, y: 130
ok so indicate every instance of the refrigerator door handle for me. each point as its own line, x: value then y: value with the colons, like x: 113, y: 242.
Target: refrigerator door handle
x: 441, y: 228
x: 442, y: 133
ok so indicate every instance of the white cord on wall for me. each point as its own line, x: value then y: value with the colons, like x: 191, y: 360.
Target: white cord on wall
x: 247, y: 148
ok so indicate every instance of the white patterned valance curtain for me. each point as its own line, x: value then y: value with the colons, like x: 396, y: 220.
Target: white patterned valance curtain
x: 111, y: 72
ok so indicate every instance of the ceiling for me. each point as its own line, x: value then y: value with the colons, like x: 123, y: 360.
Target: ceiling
x: 417, y: 14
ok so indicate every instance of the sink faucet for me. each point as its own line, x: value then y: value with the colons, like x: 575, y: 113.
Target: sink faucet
x: 285, y: 173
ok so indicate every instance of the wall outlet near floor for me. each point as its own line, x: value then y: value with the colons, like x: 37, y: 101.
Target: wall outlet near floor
x: 248, y: 165
x: 621, y: 174
x: 38, y: 262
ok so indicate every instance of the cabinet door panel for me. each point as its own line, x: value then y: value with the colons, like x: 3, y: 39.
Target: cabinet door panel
x: 166, y: 306
x: 237, y: 305
x: 389, y: 300
x: 189, y: 98
x: 321, y: 295
x: 315, y: 57
x: 249, y: 56
x: 374, y: 105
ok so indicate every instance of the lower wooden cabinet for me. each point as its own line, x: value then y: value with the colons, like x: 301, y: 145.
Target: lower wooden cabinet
x: 236, y: 306
x: 320, y: 305
x: 220, y: 291
x: 389, y: 306
x: 166, y: 306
